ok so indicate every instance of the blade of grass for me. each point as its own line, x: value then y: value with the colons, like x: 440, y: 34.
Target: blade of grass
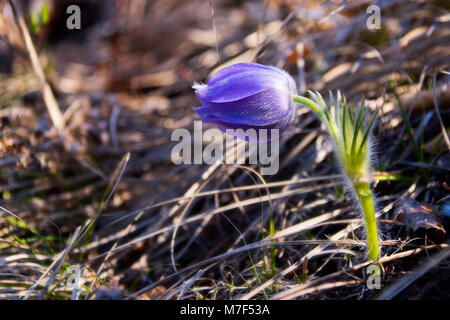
x: 406, y: 122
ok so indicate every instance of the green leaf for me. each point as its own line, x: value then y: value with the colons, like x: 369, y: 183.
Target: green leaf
x: 34, y: 23
x: 368, y: 130
x: 407, y: 124
x: 45, y: 13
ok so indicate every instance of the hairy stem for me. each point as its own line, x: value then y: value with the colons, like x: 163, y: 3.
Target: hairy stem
x: 366, y: 200
x: 344, y: 126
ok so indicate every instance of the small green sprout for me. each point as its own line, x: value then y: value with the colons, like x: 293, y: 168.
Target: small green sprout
x: 37, y: 21
x: 351, y: 133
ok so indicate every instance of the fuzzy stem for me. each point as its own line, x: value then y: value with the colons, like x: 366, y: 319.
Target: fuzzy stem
x: 357, y: 174
x: 366, y: 199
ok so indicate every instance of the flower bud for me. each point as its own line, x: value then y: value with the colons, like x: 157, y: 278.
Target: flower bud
x: 247, y: 95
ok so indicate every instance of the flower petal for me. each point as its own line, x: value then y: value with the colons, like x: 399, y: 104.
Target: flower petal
x: 223, y: 126
x: 262, y: 108
x: 238, y: 68
x: 242, y: 80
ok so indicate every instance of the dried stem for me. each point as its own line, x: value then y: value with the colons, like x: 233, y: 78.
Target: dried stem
x: 47, y: 93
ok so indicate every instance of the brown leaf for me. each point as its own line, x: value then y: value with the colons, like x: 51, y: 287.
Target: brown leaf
x: 416, y: 215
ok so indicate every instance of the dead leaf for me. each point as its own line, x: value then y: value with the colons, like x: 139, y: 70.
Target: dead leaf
x: 416, y: 215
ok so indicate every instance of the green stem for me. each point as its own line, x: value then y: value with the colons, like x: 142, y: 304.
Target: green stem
x: 366, y: 199
x: 356, y: 171
x: 320, y: 113
x: 307, y: 102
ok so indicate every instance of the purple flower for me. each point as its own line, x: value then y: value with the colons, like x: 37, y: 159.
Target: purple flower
x: 247, y: 95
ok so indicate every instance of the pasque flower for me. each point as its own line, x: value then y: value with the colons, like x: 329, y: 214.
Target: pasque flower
x: 250, y: 95
x: 247, y: 95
